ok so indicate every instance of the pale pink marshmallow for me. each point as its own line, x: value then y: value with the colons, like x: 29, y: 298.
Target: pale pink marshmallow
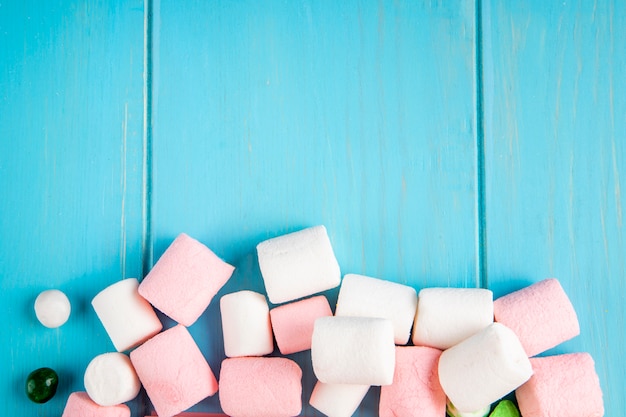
x: 415, y: 391
x: 298, y: 264
x: 541, y: 316
x: 260, y: 387
x: 173, y: 371
x: 80, y: 405
x: 562, y: 386
x: 192, y: 414
x: 246, y: 326
x: 185, y: 279
x: 337, y: 400
x: 127, y: 317
x: 363, y: 296
x: 293, y: 323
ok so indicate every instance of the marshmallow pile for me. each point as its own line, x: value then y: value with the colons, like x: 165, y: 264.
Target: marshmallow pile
x: 453, y: 349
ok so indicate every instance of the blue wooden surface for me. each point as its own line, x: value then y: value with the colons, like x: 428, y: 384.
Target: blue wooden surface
x: 273, y: 116
x: 71, y: 111
x: 428, y: 167
x: 555, y: 159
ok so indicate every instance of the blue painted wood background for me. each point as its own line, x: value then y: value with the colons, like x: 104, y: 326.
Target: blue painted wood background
x: 452, y: 143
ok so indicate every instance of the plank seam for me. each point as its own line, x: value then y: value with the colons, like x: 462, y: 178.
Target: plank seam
x: 147, y: 243
x: 147, y: 173
x: 482, y: 280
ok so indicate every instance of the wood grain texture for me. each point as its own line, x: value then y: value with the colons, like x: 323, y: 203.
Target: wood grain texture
x: 267, y: 117
x: 70, y: 180
x: 272, y: 116
x: 555, y: 131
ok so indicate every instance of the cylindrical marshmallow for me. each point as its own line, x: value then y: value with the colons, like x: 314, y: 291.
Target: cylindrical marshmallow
x: 185, y: 279
x: 483, y: 368
x: 246, y: 324
x: 562, y: 385
x: 110, y: 379
x: 541, y: 315
x: 361, y: 296
x: 80, y: 405
x: 353, y: 350
x: 447, y: 316
x: 298, y: 264
x: 337, y: 400
x: 452, y: 411
x: 173, y: 371
x: 416, y: 391
x: 52, y: 308
x: 260, y: 387
x: 126, y: 316
x: 292, y: 323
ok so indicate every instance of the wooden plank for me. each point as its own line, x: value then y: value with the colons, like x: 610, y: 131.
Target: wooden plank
x: 70, y: 179
x: 555, y: 132
x: 272, y: 116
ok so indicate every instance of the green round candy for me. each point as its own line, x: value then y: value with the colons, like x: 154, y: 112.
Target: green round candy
x: 505, y: 408
x: 41, y: 385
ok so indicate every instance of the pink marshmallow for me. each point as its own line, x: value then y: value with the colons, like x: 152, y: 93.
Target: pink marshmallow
x: 562, y: 386
x: 260, y: 387
x: 173, y: 371
x: 185, y: 279
x: 293, y: 323
x: 80, y: 405
x: 197, y: 415
x: 415, y: 391
x: 541, y: 316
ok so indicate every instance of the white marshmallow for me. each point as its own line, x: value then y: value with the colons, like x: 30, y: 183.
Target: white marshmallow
x: 298, y: 264
x: 110, y: 379
x: 353, y: 350
x: 483, y: 368
x: 361, y: 296
x: 337, y: 400
x: 447, y: 316
x: 52, y: 308
x: 246, y: 325
x: 453, y: 412
x: 126, y: 316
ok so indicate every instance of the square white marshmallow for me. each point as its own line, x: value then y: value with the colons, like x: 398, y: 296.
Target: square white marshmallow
x: 337, y: 400
x: 361, y: 296
x: 353, y: 350
x: 127, y: 317
x: 298, y: 264
x: 447, y: 316
x: 483, y: 368
x: 246, y: 324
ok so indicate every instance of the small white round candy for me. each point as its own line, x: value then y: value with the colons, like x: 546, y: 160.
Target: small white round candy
x: 52, y: 308
x: 110, y: 379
